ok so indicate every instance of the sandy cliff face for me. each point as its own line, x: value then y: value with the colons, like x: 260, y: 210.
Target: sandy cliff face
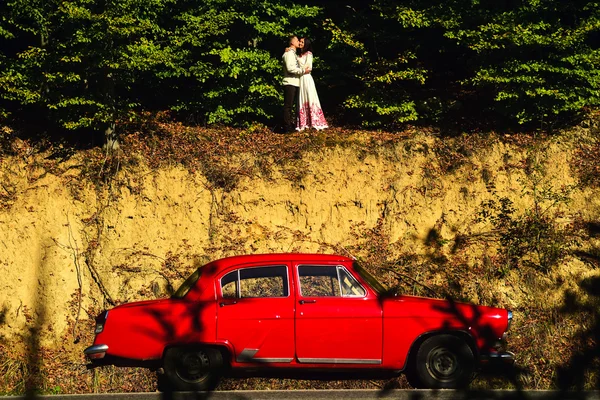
x: 61, y: 236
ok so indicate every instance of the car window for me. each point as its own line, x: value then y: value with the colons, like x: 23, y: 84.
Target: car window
x: 229, y: 285
x: 328, y: 281
x: 256, y: 282
x: 349, y: 286
x: 316, y: 281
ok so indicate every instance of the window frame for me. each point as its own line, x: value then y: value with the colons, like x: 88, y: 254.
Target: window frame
x: 188, y: 285
x: 286, y: 282
x: 337, y: 267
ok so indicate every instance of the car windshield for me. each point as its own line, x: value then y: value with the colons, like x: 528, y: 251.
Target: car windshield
x: 374, y: 283
x: 187, y: 285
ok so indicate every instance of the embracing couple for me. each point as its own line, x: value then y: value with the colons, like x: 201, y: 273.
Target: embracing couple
x: 299, y: 87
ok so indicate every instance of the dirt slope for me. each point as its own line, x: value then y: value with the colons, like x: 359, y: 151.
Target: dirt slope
x: 62, y: 234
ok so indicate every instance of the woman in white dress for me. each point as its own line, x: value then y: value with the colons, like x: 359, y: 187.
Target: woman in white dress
x: 310, y: 113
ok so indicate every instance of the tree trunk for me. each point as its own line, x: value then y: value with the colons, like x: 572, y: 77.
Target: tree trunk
x: 111, y: 139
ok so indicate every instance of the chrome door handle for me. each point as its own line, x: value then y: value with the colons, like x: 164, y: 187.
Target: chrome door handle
x: 229, y: 303
x: 307, y: 301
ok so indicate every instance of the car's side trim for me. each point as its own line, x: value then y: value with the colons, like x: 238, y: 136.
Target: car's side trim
x: 272, y: 360
x: 338, y: 361
x: 247, y: 355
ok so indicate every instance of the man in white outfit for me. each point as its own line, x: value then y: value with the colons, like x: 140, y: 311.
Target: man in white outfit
x: 291, y: 81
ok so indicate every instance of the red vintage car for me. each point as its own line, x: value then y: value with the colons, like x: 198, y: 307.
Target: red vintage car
x: 295, y: 314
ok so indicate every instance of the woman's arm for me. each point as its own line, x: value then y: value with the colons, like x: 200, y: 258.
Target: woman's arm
x: 309, y: 61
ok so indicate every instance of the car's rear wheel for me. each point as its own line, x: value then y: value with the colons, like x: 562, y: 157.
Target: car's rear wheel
x: 193, y: 368
x: 442, y: 362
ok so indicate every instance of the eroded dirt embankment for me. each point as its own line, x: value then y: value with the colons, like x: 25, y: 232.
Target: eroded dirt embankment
x: 71, y: 245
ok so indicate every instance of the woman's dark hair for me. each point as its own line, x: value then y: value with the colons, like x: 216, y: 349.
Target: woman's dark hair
x: 307, y: 45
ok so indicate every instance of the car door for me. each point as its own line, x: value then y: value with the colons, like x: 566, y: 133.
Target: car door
x: 256, y: 313
x: 338, y: 321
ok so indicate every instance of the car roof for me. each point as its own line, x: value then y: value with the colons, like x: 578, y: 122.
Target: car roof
x: 220, y: 264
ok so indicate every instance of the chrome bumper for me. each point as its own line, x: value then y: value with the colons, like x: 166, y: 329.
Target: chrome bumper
x: 96, y: 352
x: 498, y: 358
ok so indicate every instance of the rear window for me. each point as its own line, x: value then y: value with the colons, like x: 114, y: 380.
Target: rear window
x: 256, y: 282
x: 187, y: 285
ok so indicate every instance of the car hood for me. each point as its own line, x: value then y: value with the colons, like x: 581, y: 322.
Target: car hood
x: 465, y: 314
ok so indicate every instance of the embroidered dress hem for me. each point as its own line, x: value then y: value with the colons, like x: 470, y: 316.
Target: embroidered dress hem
x: 311, y: 116
x: 319, y: 128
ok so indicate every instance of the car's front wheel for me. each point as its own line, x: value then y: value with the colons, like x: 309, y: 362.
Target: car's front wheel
x: 193, y: 369
x: 442, y: 362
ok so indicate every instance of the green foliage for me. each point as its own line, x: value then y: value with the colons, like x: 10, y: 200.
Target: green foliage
x: 379, y: 63
x: 230, y: 55
x: 89, y: 63
x: 432, y: 61
x: 80, y: 60
x: 384, y: 71
x: 538, y: 59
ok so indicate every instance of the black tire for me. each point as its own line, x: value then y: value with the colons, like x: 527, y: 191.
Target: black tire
x: 193, y: 369
x: 442, y: 362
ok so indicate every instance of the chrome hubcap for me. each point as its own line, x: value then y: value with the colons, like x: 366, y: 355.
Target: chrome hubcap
x: 442, y: 364
x: 193, y: 366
